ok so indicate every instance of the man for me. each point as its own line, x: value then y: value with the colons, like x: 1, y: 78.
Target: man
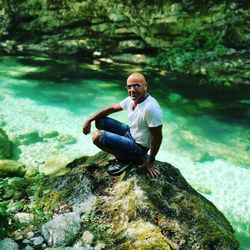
x: 130, y: 144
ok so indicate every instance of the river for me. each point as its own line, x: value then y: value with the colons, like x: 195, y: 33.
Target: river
x: 206, y: 130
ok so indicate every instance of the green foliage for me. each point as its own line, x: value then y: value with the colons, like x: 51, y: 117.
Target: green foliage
x: 197, y: 53
x: 40, y: 216
x: 16, y: 195
x: 101, y: 232
x: 3, y: 220
x: 193, y: 49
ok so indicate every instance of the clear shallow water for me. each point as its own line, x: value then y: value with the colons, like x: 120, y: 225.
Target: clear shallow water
x: 206, y: 132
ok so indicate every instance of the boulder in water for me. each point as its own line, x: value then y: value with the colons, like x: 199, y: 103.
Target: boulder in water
x: 11, y: 168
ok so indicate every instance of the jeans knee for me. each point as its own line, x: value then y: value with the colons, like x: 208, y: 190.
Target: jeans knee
x: 96, y: 137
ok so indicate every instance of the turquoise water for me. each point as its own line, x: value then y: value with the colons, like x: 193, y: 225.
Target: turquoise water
x: 44, y: 102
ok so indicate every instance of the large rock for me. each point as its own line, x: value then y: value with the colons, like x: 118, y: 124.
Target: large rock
x: 11, y: 168
x: 8, y: 244
x: 136, y: 211
x: 62, y: 230
x: 56, y: 165
x: 5, y: 145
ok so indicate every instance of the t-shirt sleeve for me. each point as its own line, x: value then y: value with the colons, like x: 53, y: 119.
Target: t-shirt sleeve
x: 154, y: 117
x: 124, y: 104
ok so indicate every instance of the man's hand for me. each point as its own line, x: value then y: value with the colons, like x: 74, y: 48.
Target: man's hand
x: 86, y: 129
x: 154, y: 171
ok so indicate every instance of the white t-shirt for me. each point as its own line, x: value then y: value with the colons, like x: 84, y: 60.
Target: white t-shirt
x: 146, y: 114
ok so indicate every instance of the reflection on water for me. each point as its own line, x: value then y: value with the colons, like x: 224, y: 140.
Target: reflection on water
x: 45, y: 101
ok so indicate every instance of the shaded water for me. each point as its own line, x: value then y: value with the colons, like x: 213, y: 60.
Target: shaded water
x: 44, y: 102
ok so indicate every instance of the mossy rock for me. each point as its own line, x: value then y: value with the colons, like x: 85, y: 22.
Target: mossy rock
x: 136, y: 211
x: 56, y: 165
x: 11, y: 168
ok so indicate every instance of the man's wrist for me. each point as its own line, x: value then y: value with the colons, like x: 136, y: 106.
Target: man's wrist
x: 150, y: 158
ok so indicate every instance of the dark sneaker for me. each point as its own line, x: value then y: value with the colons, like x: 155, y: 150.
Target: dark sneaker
x: 118, y: 168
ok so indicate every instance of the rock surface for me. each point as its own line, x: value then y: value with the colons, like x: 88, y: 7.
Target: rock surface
x: 62, y: 230
x: 56, y: 165
x: 8, y: 244
x: 11, y: 168
x: 136, y: 211
x: 88, y: 209
x: 122, y: 26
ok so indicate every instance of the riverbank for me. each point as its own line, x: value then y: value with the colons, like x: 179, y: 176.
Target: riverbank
x: 207, y: 40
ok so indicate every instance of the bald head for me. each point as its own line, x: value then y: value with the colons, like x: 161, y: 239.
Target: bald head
x: 137, y: 87
x: 136, y: 77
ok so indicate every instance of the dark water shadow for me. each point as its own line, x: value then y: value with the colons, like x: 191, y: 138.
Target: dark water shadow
x: 228, y: 105
x: 63, y: 69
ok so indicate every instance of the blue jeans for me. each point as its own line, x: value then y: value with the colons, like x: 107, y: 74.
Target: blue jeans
x: 116, y: 137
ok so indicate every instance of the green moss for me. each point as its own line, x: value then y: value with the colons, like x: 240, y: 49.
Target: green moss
x: 3, y: 219
x: 77, y: 162
x: 52, y: 200
x: 5, y: 145
x: 144, y: 235
x: 123, y: 211
x: 100, y: 159
x: 11, y: 168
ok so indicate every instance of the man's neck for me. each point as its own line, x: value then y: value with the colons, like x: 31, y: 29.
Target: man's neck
x: 140, y: 101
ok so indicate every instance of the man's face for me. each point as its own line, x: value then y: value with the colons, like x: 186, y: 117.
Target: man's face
x: 136, y: 88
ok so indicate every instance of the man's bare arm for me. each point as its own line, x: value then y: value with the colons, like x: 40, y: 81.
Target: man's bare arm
x: 100, y: 114
x: 155, y: 146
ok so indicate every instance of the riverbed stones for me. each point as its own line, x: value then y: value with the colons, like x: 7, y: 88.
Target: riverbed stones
x: 27, y: 137
x: 24, y: 218
x: 66, y: 139
x: 37, y: 241
x: 61, y: 230
x: 87, y: 237
x: 50, y: 134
